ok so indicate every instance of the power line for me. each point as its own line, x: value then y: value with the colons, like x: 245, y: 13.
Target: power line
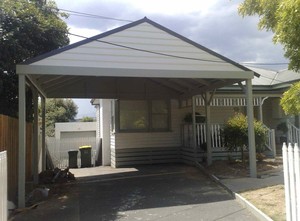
x: 273, y: 79
x: 148, y: 51
x: 251, y: 63
x: 82, y: 14
x: 76, y: 13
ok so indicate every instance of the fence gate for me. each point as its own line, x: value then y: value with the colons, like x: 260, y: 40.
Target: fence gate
x: 291, y: 169
x: 3, y: 186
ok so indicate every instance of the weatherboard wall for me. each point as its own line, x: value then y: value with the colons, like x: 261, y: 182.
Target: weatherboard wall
x: 117, y: 48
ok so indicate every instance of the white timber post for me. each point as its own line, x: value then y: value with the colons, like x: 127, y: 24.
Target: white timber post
x: 297, y: 179
x: 22, y: 141
x: 260, y: 110
x: 194, y: 127
x: 208, y: 128
x: 251, y: 136
x: 43, y: 105
x: 286, y: 181
x: 261, y: 102
x: 35, y: 162
x: 292, y: 181
x: 105, y: 118
x: 273, y: 143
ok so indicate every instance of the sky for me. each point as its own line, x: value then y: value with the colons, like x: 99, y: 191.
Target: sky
x: 214, y: 24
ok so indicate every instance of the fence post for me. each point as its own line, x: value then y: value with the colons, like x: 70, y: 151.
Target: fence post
x: 273, y: 143
x: 292, y: 181
x: 286, y: 182
x: 297, y: 179
x: 3, y: 186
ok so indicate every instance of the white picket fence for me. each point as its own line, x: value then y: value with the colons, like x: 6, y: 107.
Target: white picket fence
x: 291, y: 167
x: 3, y: 186
x: 217, y: 142
x: 293, y: 133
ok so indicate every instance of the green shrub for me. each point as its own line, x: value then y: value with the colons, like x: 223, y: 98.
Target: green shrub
x: 235, y: 134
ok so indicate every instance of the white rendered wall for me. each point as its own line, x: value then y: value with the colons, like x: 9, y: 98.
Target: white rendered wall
x: 73, y: 127
x: 105, y: 118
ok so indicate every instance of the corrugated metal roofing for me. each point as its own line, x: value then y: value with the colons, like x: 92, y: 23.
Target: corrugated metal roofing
x: 273, y: 78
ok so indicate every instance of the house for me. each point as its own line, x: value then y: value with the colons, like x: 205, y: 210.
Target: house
x: 267, y: 91
x: 148, y: 71
x: 132, y: 140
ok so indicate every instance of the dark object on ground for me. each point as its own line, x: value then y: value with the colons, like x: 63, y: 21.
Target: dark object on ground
x: 37, y: 195
x: 73, y: 158
x: 86, y: 156
x: 56, y: 176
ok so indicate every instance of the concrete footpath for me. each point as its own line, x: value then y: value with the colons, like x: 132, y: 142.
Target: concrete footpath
x: 239, y: 185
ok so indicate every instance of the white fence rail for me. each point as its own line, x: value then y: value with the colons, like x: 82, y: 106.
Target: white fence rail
x: 3, y: 186
x: 293, y: 133
x: 59, y: 148
x: 291, y: 168
x: 216, y: 137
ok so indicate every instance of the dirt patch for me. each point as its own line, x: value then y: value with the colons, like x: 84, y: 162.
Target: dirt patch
x: 269, y: 200
x: 237, y: 169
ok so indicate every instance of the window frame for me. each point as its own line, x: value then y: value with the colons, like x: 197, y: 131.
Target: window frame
x: 149, y: 113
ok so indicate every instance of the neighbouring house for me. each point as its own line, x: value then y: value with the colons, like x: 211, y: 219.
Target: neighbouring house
x: 143, y: 73
x: 71, y: 130
x: 70, y: 136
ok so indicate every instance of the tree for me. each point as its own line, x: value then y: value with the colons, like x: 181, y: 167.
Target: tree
x: 27, y: 28
x: 290, y: 101
x: 59, y: 110
x: 87, y: 119
x: 282, y: 17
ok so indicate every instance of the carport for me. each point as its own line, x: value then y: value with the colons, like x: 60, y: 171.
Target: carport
x: 141, y: 60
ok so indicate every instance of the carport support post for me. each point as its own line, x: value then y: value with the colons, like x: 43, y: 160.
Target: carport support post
x: 208, y: 129
x: 251, y: 136
x: 105, y: 117
x: 194, y: 122
x: 43, y: 105
x: 22, y: 141
x: 35, y: 146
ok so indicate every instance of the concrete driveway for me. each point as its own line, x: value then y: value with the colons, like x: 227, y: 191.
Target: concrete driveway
x: 154, y: 192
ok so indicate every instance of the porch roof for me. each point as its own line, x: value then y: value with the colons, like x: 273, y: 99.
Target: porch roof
x: 140, y: 60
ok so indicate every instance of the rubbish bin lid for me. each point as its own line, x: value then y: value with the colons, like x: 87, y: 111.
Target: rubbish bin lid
x: 84, y: 147
x: 73, y: 151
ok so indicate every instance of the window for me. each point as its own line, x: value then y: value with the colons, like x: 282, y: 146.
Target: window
x: 134, y: 115
x: 160, y: 115
x: 142, y: 115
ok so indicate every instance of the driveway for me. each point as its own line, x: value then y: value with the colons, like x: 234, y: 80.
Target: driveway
x: 154, y: 192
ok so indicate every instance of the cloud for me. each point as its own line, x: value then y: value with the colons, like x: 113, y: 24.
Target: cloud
x: 215, y: 24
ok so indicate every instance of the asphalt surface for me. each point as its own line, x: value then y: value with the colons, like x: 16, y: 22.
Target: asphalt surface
x: 154, y: 192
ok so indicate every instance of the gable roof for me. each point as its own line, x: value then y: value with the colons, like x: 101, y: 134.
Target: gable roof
x: 208, y: 56
x: 126, y: 61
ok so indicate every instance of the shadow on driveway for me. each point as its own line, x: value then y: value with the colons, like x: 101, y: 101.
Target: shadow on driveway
x: 154, y: 192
